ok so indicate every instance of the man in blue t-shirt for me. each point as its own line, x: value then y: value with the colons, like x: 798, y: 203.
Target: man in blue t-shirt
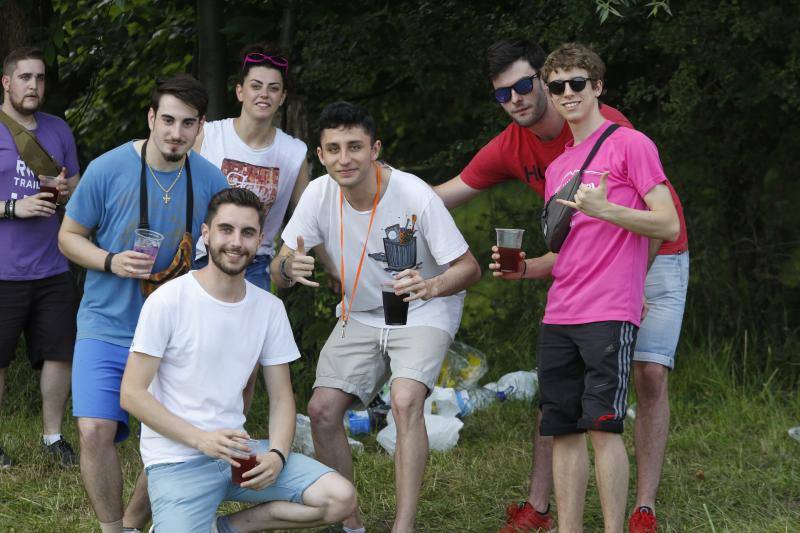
x: 107, y: 202
x: 37, y: 292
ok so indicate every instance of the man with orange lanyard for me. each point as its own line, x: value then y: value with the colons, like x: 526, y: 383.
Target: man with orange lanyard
x: 378, y: 224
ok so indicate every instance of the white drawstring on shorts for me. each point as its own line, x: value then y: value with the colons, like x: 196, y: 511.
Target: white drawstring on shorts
x: 384, y: 342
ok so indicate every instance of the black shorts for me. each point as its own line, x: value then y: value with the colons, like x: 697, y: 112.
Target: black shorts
x: 45, y: 311
x: 583, y: 376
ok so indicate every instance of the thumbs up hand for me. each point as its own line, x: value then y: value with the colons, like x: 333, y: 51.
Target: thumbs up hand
x: 300, y: 266
x: 590, y: 200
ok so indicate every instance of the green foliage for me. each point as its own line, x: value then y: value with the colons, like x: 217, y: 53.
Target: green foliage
x: 714, y: 84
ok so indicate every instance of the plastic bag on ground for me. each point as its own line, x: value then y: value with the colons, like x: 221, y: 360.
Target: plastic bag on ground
x: 519, y: 385
x: 795, y: 433
x: 463, y: 367
x: 303, y: 442
x: 444, y: 402
x: 442, y: 433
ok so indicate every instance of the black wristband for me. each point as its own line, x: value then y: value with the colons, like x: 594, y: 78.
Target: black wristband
x: 109, y: 257
x: 11, y: 209
x: 6, y: 209
x: 280, y: 454
x: 282, y: 271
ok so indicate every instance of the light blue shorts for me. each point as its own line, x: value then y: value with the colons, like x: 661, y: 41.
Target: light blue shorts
x: 184, y: 497
x: 665, y: 290
x: 97, y: 368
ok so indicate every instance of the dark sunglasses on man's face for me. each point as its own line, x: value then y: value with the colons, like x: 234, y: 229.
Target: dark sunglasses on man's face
x: 522, y: 86
x: 577, y: 84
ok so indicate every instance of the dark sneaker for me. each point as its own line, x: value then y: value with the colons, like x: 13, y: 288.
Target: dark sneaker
x: 523, y: 518
x: 643, y: 520
x: 62, y: 452
x: 5, y: 460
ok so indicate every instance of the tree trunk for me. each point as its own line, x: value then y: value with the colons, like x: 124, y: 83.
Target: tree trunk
x: 211, y: 56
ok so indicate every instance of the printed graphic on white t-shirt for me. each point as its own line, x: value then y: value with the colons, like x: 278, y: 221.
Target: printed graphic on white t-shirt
x: 263, y: 181
x: 399, y: 246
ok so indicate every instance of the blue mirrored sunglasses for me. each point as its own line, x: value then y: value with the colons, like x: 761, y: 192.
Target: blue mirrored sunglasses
x: 522, y: 86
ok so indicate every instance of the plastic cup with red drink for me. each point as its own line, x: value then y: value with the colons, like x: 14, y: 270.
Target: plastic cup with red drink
x: 509, y: 246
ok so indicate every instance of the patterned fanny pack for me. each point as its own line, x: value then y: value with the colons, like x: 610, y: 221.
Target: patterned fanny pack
x: 182, y: 260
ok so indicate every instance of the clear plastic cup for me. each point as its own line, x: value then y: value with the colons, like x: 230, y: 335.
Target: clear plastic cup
x: 245, y: 464
x: 49, y: 184
x: 509, y: 246
x: 395, y: 310
x: 147, y: 242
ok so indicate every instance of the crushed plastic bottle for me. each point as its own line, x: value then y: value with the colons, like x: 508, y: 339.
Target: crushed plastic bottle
x: 303, y: 443
x: 475, y: 399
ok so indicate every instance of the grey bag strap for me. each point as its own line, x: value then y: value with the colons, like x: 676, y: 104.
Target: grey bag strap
x: 611, y: 129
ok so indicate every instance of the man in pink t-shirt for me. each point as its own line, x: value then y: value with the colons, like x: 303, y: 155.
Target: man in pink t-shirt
x: 522, y: 152
x: 594, y: 306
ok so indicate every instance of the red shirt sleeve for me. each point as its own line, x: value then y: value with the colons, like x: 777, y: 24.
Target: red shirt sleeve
x: 490, y: 165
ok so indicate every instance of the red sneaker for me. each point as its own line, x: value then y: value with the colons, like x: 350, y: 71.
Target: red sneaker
x: 643, y: 520
x: 523, y: 518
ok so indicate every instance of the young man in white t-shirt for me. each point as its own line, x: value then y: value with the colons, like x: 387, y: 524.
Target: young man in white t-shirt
x: 255, y: 154
x: 377, y: 224
x: 196, y: 342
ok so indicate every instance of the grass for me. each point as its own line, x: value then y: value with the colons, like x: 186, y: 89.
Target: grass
x: 730, y: 466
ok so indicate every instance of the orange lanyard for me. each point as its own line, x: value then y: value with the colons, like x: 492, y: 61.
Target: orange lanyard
x: 345, y: 309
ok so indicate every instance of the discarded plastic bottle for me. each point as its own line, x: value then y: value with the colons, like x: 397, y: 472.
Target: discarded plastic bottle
x: 471, y: 400
x: 358, y: 422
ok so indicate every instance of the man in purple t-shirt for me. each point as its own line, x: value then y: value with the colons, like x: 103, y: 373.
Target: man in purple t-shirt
x: 38, y: 296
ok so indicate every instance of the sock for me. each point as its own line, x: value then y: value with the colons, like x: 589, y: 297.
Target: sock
x: 131, y: 530
x: 50, y: 439
x: 356, y: 530
x: 224, y: 526
x: 111, y: 527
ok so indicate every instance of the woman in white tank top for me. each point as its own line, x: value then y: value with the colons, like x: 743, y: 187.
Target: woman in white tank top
x: 255, y: 154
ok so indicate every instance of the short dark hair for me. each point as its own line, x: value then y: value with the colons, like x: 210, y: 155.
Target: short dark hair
x: 267, y: 50
x: 503, y: 54
x: 345, y: 114
x: 20, y: 54
x: 183, y: 87
x: 235, y: 196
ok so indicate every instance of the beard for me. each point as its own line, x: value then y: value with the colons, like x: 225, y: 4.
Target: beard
x: 217, y: 257
x: 21, y: 109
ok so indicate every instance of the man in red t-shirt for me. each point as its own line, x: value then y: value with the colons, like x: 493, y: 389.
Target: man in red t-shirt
x: 523, y: 151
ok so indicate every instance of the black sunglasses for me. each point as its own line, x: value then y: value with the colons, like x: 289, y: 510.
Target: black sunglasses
x: 522, y: 86
x: 577, y: 84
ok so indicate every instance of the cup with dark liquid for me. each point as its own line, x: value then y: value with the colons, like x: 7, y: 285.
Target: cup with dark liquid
x: 147, y: 242
x: 246, y: 464
x: 395, y: 310
x: 509, y: 246
x: 49, y: 184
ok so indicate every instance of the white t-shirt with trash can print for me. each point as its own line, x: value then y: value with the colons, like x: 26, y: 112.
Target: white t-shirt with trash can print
x: 412, y: 229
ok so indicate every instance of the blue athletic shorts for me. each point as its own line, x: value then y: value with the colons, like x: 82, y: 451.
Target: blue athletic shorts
x: 184, y: 497
x: 97, y: 368
x: 665, y: 291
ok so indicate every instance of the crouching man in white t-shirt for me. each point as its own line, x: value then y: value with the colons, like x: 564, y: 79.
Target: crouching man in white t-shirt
x: 378, y: 224
x: 197, y: 340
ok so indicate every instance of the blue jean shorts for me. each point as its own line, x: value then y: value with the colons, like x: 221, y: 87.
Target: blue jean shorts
x: 257, y: 272
x: 665, y: 291
x: 97, y: 368
x: 184, y: 497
